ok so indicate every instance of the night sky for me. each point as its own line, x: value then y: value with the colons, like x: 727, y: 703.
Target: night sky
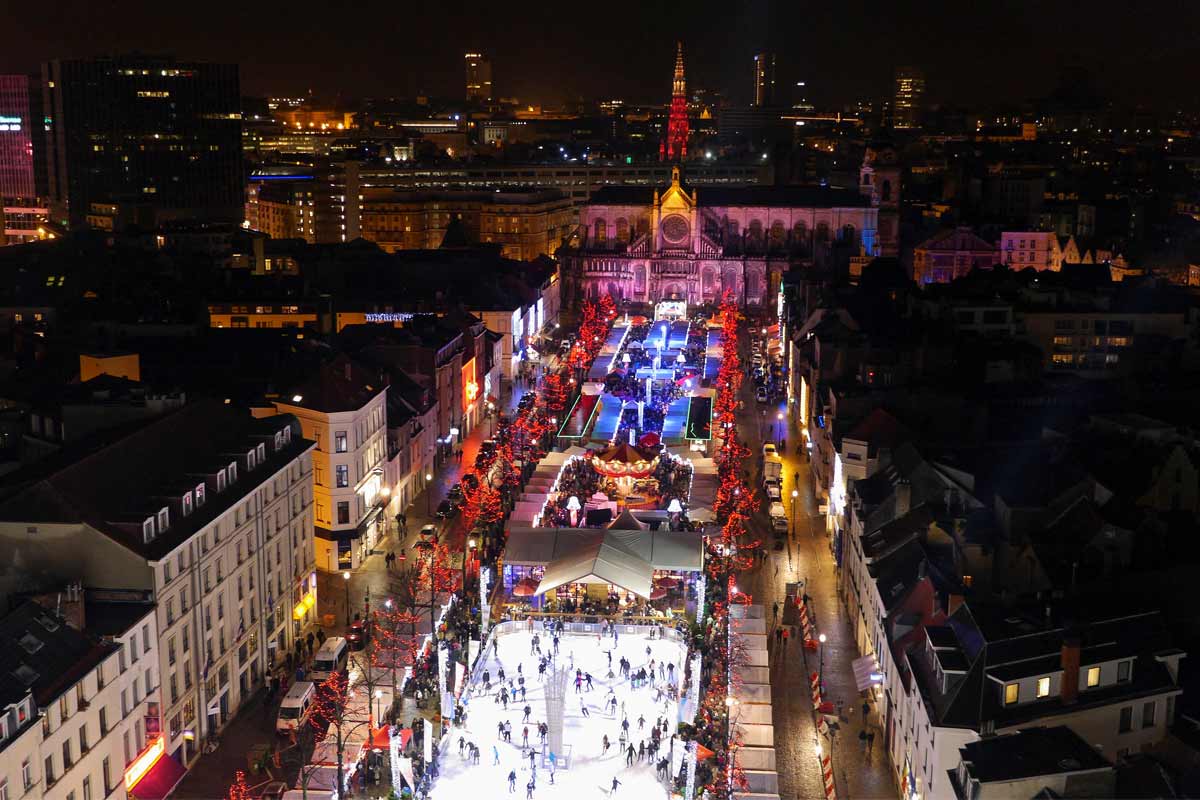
x: 974, y: 51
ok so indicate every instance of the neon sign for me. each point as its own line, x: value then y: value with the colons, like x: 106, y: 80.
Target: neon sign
x: 142, y: 764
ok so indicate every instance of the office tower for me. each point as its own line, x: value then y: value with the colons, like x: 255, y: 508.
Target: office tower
x: 157, y: 138
x: 479, y: 77
x: 16, y: 142
x: 910, y: 91
x: 764, y: 79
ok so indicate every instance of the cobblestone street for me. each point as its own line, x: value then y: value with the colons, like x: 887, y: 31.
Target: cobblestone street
x: 806, y: 557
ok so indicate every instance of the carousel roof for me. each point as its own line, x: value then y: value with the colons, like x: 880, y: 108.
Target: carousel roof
x: 598, y: 558
x: 624, y: 453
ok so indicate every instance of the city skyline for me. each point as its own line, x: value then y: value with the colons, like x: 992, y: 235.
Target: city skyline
x: 988, y: 55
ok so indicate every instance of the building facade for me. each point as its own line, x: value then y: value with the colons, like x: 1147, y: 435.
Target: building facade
x: 210, y: 511
x: 764, y: 79
x: 951, y: 254
x: 526, y: 224
x: 160, y: 137
x: 696, y: 245
x: 909, y: 97
x: 1037, y: 250
x: 343, y: 408
x: 16, y: 138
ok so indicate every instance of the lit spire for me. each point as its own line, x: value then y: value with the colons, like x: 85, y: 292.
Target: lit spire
x: 679, y: 85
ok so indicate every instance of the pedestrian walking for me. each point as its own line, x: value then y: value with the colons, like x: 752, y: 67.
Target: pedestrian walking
x: 775, y: 609
x: 866, y: 711
x: 870, y: 742
x: 862, y: 739
x: 778, y: 635
x: 786, y: 633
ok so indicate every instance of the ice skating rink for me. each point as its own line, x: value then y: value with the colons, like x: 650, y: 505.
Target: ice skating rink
x: 590, y: 773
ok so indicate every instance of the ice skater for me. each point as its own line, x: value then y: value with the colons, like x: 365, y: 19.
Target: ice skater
x: 629, y: 754
x: 528, y: 711
x: 615, y: 784
x: 583, y: 707
x: 512, y: 781
x: 495, y: 756
x: 607, y: 744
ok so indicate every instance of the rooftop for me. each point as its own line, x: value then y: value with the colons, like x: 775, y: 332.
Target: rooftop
x: 1030, y: 753
x: 39, y: 652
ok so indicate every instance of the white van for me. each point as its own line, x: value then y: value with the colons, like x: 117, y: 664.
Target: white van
x: 779, y: 519
x: 295, y: 706
x: 330, y: 658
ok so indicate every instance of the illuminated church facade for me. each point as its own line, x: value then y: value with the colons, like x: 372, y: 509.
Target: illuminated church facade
x: 644, y: 245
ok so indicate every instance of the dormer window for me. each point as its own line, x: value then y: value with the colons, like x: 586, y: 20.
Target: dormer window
x: 232, y: 470
x: 199, y: 495
x: 278, y: 441
x: 220, y: 480
x: 164, y: 519
x: 148, y: 529
x: 1012, y: 693
x: 187, y: 503
x: 250, y: 460
x: 261, y: 450
x: 287, y: 435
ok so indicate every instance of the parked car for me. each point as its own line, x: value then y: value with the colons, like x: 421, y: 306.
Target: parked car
x: 429, y: 532
x: 358, y: 634
x: 760, y: 394
x: 769, y: 450
x: 446, y: 509
x: 455, y: 495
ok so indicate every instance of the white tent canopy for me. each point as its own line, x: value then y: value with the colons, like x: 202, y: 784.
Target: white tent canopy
x: 600, y: 558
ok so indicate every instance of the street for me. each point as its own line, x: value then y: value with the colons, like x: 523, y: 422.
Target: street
x: 806, y: 557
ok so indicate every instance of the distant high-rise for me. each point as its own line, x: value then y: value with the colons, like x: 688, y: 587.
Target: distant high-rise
x: 910, y: 92
x: 764, y: 79
x: 479, y: 77
x: 16, y: 138
x: 156, y: 137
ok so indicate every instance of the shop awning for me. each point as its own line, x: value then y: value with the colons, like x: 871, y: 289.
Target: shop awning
x: 866, y: 672
x: 159, y: 780
x: 600, y: 559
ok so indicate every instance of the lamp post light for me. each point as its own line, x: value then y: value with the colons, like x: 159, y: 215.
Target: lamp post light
x: 378, y: 701
x: 821, y: 669
x: 428, y: 494
x: 795, y: 496
x: 346, y: 580
x: 779, y: 426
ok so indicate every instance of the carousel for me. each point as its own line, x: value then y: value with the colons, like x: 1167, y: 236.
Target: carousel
x: 627, y: 469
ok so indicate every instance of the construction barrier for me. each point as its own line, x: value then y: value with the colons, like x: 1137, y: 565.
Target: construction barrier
x: 827, y: 774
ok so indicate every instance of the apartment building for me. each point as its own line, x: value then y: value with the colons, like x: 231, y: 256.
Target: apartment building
x: 1037, y: 250
x: 210, y: 511
x: 948, y: 670
x: 82, y: 707
x: 342, y: 406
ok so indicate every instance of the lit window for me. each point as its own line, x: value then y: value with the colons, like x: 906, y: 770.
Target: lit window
x: 1043, y: 688
x: 1093, y: 677
x: 1012, y: 692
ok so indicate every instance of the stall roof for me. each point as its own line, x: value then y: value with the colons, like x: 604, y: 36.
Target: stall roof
x: 599, y: 558
x: 676, y: 551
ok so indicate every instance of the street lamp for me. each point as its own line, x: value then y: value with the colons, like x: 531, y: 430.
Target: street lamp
x: 795, y: 495
x: 821, y: 672
x: 346, y: 580
x: 428, y: 495
x: 466, y: 554
x: 378, y: 712
x: 779, y: 426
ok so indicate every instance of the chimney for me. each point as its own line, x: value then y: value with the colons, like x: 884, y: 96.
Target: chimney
x: 903, y: 498
x: 346, y: 366
x: 1070, y: 669
x: 953, y: 602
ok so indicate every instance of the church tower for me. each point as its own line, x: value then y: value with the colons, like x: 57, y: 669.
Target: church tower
x: 879, y: 180
x: 674, y: 146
